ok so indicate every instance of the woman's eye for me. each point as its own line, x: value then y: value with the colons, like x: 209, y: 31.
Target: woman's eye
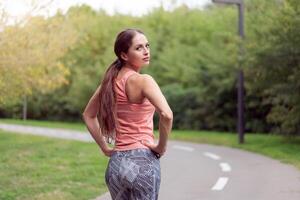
x: 140, y: 47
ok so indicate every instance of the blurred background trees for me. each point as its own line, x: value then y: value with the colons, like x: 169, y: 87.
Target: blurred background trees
x: 58, y: 63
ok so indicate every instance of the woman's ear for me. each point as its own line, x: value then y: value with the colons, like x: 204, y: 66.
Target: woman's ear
x: 124, y: 56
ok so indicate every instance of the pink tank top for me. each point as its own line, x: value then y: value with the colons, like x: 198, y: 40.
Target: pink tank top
x: 134, y: 121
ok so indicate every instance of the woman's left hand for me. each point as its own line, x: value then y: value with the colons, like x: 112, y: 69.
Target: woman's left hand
x: 155, y: 147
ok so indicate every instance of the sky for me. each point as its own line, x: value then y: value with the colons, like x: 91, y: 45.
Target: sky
x: 16, y: 9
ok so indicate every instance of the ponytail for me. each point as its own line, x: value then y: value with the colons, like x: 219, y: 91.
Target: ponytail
x: 107, y: 109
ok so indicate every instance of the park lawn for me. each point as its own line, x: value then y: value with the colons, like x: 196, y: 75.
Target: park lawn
x: 43, y: 168
x: 281, y: 148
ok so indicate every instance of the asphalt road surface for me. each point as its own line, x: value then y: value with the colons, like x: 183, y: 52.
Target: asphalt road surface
x: 208, y: 172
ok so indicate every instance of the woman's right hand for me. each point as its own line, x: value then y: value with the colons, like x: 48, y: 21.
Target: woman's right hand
x: 108, y: 151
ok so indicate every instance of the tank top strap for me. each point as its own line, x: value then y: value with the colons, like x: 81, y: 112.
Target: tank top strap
x: 127, y: 74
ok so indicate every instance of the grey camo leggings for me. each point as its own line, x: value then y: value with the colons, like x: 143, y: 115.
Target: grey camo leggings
x: 133, y: 175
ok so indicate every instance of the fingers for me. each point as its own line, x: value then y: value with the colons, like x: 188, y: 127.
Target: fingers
x: 148, y: 144
x: 108, y: 152
x: 157, y: 154
x: 158, y: 151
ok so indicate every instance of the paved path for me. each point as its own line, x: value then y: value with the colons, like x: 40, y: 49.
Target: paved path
x: 208, y: 172
x: 48, y: 132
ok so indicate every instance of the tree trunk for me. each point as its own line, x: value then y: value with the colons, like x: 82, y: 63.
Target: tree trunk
x: 25, y: 107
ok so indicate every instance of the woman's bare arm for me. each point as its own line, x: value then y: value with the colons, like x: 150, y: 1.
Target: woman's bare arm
x: 151, y: 91
x: 90, y: 119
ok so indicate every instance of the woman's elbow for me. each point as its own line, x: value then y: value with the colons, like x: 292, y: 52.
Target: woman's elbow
x: 88, y: 113
x: 168, y: 116
x: 85, y: 116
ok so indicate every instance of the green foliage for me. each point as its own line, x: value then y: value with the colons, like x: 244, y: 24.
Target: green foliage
x: 29, y: 57
x: 276, y: 70
x: 194, y: 58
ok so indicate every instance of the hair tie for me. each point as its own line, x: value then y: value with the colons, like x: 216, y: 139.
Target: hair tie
x: 118, y: 63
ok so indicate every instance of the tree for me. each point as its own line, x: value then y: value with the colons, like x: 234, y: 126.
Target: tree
x: 276, y: 71
x: 30, y: 57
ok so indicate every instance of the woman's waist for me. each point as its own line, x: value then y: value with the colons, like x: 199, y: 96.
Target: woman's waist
x: 132, y: 141
x: 129, y: 147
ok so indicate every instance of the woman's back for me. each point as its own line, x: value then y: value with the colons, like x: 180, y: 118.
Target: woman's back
x: 134, y: 120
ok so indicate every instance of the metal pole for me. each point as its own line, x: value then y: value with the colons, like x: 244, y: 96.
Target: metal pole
x: 241, y: 19
x: 240, y: 76
x: 241, y: 104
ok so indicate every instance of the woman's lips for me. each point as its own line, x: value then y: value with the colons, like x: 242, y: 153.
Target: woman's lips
x: 146, y: 59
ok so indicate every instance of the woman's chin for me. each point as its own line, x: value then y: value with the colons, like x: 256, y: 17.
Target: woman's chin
x: 146, y: 63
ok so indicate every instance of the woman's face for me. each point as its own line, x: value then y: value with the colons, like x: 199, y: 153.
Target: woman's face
x: 138, y: 53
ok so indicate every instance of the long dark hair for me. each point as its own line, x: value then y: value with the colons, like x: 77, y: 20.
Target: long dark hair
x: 107, y: 110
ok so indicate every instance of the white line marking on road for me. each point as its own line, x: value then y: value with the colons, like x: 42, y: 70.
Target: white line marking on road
x: 225, y: 167
x: 222, y: 181
x: 183, y: 148
x: 212, y: 156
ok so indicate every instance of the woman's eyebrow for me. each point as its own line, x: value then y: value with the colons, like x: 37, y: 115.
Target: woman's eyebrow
x: 138, y: 45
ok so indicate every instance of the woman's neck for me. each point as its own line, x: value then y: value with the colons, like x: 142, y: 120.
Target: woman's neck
x: 134, y: 68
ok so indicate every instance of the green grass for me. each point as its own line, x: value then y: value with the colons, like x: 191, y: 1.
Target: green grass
x: 41, y: 168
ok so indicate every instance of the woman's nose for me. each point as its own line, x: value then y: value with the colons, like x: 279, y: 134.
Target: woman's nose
x: 146, y: 51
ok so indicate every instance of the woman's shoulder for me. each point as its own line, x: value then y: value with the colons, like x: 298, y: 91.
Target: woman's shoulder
x: 141, y: 82
x: 140, y: 78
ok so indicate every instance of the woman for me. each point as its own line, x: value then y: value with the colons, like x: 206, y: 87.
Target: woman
x: 122, y: 110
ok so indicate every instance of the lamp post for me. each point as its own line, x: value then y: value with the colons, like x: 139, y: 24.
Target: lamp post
x: 240, y: 124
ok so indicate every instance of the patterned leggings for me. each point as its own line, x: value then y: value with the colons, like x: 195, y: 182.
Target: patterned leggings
x: 133, y: 175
